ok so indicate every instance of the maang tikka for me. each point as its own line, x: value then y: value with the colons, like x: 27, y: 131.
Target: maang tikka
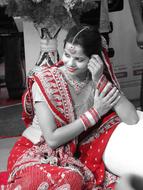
x: 72, y: 47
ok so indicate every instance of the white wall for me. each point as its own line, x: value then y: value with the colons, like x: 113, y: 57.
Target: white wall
x: 128, y: 56
x: 31, y: 43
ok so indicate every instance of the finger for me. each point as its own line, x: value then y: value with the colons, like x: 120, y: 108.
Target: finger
x: 115, y: 101
x: 98, y: 59
x: 106, y: 89
x: 95, y: 63
x: 112, y: 93
x: 90, y: 69
x: 93, y: 69
x: 96, y: 93
x: 114, y: 97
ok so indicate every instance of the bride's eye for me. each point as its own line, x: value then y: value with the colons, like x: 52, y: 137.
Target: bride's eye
x: 80, y: 59
x: 66, y: 54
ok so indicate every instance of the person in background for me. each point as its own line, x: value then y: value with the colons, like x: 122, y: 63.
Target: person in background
x: 82, y: 132
x: 137, y: 13
x: 12, y: 50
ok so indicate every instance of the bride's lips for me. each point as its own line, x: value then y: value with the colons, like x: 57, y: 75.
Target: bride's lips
x: 71, y: 69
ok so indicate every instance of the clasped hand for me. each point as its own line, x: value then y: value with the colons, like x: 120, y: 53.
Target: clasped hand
x: 107, y: 99
x: 95, y: 66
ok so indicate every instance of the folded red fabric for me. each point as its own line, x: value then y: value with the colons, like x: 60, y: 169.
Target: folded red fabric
x: 3, y: 177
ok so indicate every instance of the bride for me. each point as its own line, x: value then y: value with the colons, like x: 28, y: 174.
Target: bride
x: 82, y: 132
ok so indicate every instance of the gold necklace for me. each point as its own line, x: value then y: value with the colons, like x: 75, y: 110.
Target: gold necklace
x: 77, y: 85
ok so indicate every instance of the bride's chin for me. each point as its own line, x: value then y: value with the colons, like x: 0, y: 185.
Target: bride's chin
x: 71, y: 73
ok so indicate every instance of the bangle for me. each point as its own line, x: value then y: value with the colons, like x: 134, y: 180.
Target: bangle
x: 90, y: 118
x: 102, y: 83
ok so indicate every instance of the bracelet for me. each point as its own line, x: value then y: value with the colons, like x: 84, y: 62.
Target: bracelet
x: 90, y: 118
x: 102, y: 83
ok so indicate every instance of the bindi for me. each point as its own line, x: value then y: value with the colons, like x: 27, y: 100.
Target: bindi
x: 72, y: 49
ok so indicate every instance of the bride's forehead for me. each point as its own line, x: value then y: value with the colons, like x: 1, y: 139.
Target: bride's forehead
x: 73, y: 49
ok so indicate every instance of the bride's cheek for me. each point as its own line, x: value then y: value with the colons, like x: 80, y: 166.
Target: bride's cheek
x: 64, y: 59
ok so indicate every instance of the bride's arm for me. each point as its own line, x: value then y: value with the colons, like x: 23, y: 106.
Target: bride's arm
x: 124, y: 108
x: 126, y: 111
x: 56, y: 136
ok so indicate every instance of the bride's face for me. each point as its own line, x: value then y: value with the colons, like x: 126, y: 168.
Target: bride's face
x: 75, y: 60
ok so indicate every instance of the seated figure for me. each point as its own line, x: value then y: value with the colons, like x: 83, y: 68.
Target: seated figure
x: 82, y: 132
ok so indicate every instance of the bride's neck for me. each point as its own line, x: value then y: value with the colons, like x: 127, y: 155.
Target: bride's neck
x: 81, y: 77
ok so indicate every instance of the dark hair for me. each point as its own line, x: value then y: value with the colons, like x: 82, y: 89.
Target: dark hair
x: 89, y: 38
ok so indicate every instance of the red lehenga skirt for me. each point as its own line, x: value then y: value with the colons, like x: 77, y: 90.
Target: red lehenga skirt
x: 27, y: 170
x: 37, y: 167
x: 39, y: 176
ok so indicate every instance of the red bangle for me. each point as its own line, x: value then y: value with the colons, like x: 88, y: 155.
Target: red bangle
x: 89, y: 118
x: 102, y: 83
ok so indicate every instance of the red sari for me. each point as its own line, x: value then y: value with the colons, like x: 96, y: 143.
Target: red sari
x: 74, y: 166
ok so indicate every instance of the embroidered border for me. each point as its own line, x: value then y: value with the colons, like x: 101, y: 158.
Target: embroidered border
x: 55, y: 90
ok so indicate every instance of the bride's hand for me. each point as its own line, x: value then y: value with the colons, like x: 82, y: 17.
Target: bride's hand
x: 107, y: 99
x: 95, y: 66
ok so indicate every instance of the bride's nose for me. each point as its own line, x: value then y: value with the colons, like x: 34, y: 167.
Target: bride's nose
x: 71, y: 62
